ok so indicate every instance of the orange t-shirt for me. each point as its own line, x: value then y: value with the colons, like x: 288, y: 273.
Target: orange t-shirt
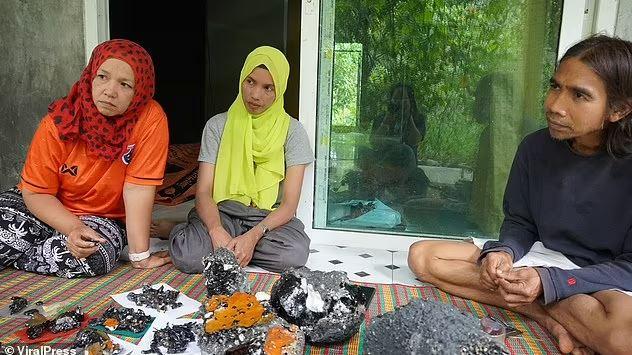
x: 88, y: 185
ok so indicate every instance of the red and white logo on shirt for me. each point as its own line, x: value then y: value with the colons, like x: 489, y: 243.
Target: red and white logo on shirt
x: 127, y: 156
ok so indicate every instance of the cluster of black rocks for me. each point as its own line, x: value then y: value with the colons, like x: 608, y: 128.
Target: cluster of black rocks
x: 224, y: 278
x: 320, y: 308
x: 157, y: 298
x: 63, y: 323
x: 175, y: 339
x: 91, y: 341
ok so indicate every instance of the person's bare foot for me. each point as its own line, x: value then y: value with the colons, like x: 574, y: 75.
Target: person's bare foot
x: 161, y: 228
x: 565, y: 341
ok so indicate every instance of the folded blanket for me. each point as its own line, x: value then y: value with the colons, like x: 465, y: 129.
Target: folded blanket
x: 180, y: 175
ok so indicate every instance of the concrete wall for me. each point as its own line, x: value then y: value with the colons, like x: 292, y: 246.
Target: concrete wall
x: 623, y: 28
x: 41, y: 56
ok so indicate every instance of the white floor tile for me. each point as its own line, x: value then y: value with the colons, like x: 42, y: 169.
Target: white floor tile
x: 360, y: 264
x: 363, y: 265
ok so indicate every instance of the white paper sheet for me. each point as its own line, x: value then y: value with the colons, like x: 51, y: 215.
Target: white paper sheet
x: 189, y: 305
x: 126, y: 347
x: 161, y: 322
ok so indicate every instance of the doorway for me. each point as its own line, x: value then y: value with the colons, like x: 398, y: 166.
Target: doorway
x: 199, y: 47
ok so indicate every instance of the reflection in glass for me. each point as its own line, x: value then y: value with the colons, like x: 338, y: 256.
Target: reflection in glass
x: 421, y: 107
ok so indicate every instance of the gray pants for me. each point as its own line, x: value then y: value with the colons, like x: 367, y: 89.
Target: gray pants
x: 281, y: 248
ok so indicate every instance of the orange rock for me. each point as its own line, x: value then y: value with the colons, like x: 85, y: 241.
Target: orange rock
x: 278, y: 337
x: 111, y: 323
x: 238, y: 310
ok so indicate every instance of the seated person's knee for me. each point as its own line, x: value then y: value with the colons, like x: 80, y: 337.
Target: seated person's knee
x: 290, y: 257
x: 188, y: 249
x: 296, y: 258
x: 419, y: 255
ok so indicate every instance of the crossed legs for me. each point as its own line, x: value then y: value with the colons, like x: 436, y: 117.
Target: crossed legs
x: 580, y: 323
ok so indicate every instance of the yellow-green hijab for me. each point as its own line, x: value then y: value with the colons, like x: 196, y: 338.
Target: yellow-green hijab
x: 251, y: 158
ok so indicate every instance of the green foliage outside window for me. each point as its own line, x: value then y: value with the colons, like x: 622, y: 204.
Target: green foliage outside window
x: 442, y: 48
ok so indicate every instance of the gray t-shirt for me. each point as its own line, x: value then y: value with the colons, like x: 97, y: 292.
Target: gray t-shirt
x: 297, y: 148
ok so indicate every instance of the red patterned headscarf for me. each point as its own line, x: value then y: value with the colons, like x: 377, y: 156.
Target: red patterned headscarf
x: 76, y: 116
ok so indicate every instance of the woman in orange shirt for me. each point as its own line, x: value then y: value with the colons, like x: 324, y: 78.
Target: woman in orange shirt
x: 88, y: 184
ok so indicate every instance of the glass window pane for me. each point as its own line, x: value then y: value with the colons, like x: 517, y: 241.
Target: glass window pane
x: 421, y: 107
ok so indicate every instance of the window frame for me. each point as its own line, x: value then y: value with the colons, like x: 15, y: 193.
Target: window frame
x: 574, y: 26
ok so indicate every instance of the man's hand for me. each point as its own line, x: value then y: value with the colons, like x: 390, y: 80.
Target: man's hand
x: 520, y: 287
x: 154, y: 260
x: 493, y: 266
x: 220, y: 238
x: 83, y: 241
x: 243, y: 246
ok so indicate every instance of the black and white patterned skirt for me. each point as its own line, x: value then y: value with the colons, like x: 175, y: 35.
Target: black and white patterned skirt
x: 28, y: 244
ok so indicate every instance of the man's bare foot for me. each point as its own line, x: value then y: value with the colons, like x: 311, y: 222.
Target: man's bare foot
x: 161, y: 228
x: 565, y: 341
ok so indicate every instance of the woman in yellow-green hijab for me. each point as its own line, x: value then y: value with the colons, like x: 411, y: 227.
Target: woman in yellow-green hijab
x: 252, y: 161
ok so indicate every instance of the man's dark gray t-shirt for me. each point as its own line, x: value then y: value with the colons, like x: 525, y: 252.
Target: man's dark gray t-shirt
x: 577, y: 205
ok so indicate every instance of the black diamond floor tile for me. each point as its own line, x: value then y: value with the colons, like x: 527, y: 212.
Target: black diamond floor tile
x: 313, y: 251
x: 335, y: 262
x: 392, y: 267
x: 361, y: 273
x: 365, y: 255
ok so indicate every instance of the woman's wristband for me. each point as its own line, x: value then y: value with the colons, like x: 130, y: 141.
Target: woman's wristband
x: 139, y: 256
x: 264, y: 229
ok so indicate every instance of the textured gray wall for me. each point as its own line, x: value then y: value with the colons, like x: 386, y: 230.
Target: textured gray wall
x: 41, y: 56
x: 624, y: 20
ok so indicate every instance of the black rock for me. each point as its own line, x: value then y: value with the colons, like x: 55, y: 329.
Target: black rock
x: 157, y: 298
x: 67, y: 321
x: 36, y: 330
x: 250, y: 340
x: 87, y: 337
x: 175, y: 339
x: 30, y: 312
x: 229, y: 341
x: 323, y: 304
x: 17, y: 304
x: 223, y: 275
x: 426, y: 327
x: 92, y: 341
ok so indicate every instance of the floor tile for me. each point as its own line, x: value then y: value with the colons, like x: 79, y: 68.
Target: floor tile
x: 403, y: 275
x: 364, y: 265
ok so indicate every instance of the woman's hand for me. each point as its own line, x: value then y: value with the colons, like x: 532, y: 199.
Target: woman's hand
x: 154, y: 260
x: 493, y: 266
x: 220, y: 238
x: 83, y: 241
x: 243, y: 246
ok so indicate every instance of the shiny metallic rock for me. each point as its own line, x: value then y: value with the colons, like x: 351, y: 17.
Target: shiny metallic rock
x: 323, y: 304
